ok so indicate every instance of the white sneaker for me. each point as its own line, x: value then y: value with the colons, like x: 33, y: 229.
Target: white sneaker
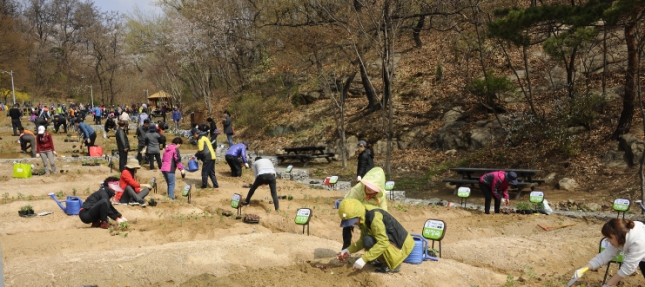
x: 133, y: 203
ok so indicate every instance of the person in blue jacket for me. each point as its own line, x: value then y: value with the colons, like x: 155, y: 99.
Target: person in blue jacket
x: 97, y: 115
x: 89, y: 136
x: 232, y: 155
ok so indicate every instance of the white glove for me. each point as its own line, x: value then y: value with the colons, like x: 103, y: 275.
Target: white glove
x: 246, y: 164
x: 38, y: 155
x: 183, y: 171
x: 358, y: 178
x: 121, y: 220
x: 358, y: 265
x: 503, y: 201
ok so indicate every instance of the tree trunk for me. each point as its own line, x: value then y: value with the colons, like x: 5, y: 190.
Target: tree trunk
x: 373, y: 103
x: 341, y: 128
x: 416, y: 32
x: 625, y: 121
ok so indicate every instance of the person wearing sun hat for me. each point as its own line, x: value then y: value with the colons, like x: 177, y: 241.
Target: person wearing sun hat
x: 495, y: 184
x: 382, y: 236
x: 369, y: 190
x: 132, y: 190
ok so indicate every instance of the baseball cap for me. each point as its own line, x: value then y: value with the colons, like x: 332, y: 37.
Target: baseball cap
x: 348, y: 222
x: 361, y: 143
x: 41, y: 130
x: 511, y: 177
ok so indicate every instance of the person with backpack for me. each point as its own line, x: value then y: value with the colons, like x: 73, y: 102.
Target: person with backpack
x: 171, y: 161
x: 45, y: 149
x: 206, y: 154
x: 152, y: 146
x: 98, y: 206
x: 365, y: 159
x: 382, y: 236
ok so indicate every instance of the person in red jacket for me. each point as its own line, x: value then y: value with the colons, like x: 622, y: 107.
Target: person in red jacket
x: 495, y: 184
x: 45, y: 149
x: 132, y: 190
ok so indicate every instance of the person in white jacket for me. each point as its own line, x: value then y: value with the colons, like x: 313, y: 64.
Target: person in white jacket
x: 625, y: 236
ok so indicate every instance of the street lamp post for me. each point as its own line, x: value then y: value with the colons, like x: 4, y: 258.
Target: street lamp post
x: 91, y: 94
x: 13, y: 90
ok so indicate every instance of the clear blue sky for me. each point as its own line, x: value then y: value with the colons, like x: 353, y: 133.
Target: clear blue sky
x: 127, y: 6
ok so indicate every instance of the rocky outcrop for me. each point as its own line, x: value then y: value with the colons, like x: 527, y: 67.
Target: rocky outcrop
x: 633, y: 148
x: 569, y: 184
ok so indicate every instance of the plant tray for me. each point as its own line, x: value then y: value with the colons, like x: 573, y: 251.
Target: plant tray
x: 251, y: 221
x: 251, y: 218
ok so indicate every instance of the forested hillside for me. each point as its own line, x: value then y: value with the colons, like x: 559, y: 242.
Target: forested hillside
x: 497, y: 82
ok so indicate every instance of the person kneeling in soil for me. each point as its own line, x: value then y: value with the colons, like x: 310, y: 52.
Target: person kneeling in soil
x: 98, y: 207
x: 369, y: 190
x: 132, y: 192
x: 626, y: 236
x: 382, y: 236
x: 264, y: 174
x: 495, y: 184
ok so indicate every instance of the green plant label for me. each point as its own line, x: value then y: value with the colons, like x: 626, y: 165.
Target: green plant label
x: 333, y: 179
x: 389, y: 185
x: 536, y: 196
x: 289, y: 169
x: 463, y: 191
x: 235, y: 202
x: 433, y: 229
x: 621, y: 204
x: 604, y: 244
x: 302, y: 216
x: 186, y: 190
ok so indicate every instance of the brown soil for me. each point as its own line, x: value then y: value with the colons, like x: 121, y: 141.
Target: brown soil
x: 181, y: 244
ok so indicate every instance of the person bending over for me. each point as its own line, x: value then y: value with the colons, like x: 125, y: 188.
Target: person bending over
x: 98, y: 207
x: 264, y: 174
x: 495, y: 184
x: 232, y: 154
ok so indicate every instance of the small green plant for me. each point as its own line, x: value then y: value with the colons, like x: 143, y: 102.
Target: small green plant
x: 26, y: 208
x: 87, y: 190
x: 60, y: 194
x: 510, y: 281
x: 522, y: 206
x: 21, y: 196
x: 530, y: 272
x: 78, y: 171
x: 74, y: 191
x: 400, y: 207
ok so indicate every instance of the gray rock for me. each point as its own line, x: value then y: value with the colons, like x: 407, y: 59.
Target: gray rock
x: 568, y: 184
x: 550, y: 179
x: 451, y: 136
x: 593, y: 206
x: 453, y: 114
x: 633, y: 148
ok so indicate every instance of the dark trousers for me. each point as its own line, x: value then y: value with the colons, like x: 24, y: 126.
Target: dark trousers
x: 123, y: 159
x: 57, y: 125
x: 91, y: 143
x: 129, y: 195
x: 97, y: 120
x: 208, y: 170
x: 488, y: 195
x: 98, y: 212
x: 347, y: 236
x: 151, y: 159
x: 642, y: 266
x: 139, y: 154
x: 236, y: 167
x: 265, y: 179
x: 15, y: 124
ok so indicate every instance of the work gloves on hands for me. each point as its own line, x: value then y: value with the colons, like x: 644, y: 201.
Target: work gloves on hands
x: 358, y: 265
x: 183, y: 173
x: 246, y: 164
x: 342, y: 256
x: 505, y: 201
x: 121, y: 220
x: 358, y: 178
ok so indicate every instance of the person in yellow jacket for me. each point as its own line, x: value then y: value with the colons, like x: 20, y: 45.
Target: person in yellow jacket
x: 382, y: 236
x: 369, y: 190
x: 206, y: 154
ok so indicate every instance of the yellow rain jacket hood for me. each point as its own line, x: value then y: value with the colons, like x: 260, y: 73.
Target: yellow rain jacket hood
x: 381, y: 228
x: 375, y: 176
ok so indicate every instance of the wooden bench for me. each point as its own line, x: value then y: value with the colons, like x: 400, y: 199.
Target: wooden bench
x: 467, y: 177
x: 474, y: 184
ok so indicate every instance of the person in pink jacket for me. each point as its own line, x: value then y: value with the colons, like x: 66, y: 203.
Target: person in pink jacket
x: 170, y: 161
x: 495, y: 184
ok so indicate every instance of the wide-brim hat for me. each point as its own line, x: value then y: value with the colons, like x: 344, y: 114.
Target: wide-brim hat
x: 133, y: 163
x: 370, y: 185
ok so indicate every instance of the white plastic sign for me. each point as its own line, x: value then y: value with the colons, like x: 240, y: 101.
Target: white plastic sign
x: 433, y: 229
x: 333, y: 179
x: 463, y: 191
x: 302, y: 216
x: 536, y: 196
x: 235, y: 202
x: 289, y: 168
x: 621, y: 204
x: 389, y: 185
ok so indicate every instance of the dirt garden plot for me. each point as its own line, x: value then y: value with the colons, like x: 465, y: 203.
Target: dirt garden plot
x: 181, y: 244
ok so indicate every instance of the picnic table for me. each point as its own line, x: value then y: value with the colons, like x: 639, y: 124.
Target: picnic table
x: 305, y: 154
x: 470, y: 175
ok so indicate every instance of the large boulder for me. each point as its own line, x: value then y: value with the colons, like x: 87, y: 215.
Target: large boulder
x: 633, y: 148
x: 453, y: 115
x: 451, y: 136
x: 414, y: 138
x: 380, y: 147
x: 485, y: 134
x: 569, y: 184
